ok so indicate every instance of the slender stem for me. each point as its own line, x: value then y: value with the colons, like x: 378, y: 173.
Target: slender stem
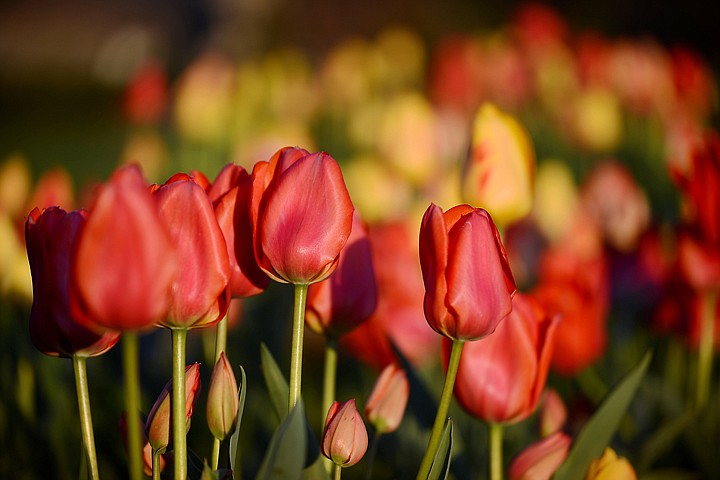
x: 221, y: 337
x: 441, y: 415
x: 496, y: 452
x: 215, y: 458
x: 179, y: 337
x: 296, y: 354
x: 131, y: 371
x: 338, y: 472
x: 372, y: 455
x: 705, y: 353
x: 81, y: 385
x: 156, y: 464
x: 329, y: 385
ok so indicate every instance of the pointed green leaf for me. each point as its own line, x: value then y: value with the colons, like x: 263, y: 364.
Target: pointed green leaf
x: 234, y: 438
x: 663, y: 439
x: 207, y: 473
x: 285, y: 455
x: 598, y: 431
x: 274, y: 379
x: 441, y: 462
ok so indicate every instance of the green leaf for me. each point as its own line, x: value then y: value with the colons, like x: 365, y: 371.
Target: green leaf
x: 235, y: 437
x: 274, y: 379
x: 662, y: 440
x: 598, y: 431
x: 207, y: 473
x: 285, y: 455
x: 441, y: 462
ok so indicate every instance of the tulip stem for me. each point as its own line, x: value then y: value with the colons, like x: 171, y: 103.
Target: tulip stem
x: 83, y: 395
x: 179, y: 338
x: 496, y: 452
x: 220, y: 338
x: 372, y: 455
x: 705, y: 351
x: 131, y: 371
x: 296, y: 354
x: 329, y: 384
x: 156, y: 463
x: 215, y: 458
x: 338, y: 472
x: 441, y: 415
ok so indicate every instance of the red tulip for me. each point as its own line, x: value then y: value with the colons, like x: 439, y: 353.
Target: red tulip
x: 125, y: 260
x: 344, y: 438
x: 540, y: 460
x: 468, y: 282
x: 301, y: 214
x: 230, y: 194
x: 500, y: 379
x: 199, y: 294
x: 50, y: 238
x: 386, y: 404
x: 346, y: 299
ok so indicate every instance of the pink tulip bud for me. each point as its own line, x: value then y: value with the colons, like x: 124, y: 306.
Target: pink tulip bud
x: 553, y: 413
x: 386, y: 405
x: 222, y: 402
x: 540, y: 460
x: 344, y: 438
x: 158, y: 425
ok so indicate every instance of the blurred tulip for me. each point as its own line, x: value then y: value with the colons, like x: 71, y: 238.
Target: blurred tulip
x: 230, y: 194
x: 386, y: 404
x: 500, y: 171
x: 540, y: 460
x: 344, y: 437
x: 125, y: 261
x: 610, y: 467
x: 456, y: 75
x: 148, y: 149
x: 553, y: 413
x: 50, y: 238
x: 53, y: 188
x: 145, y: 98
x: 556, y: 199
x: 301, y: 214
x: 501, y: 378
x: 468, y: 282
x: 199, y: 294
x: 15, y: 278
x: 693, y: 79
x: 15, y: 185
x: 222, y: 400
x: 158, y: 424
x: 597, y: 121
x: 348, y: 297
x: 399, y: 316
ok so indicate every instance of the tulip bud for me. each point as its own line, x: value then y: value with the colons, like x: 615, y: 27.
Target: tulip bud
x: 553, y: 413
x: 468, y: 282
x: 610, y: 467
x: 386, y: 405
x: 222, y: 402
x: 158, y: 424
x: 499, y: 173
x: 344, y: 438
x: 540, y: 460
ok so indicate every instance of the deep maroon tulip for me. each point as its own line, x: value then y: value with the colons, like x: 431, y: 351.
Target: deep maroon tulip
x: 342, y: 302
x: 468, y: 282
x: 199, y: 294
x: 50, y: 238
x: 230, y: 194
x: 302, y: 215
x: 125, y: 260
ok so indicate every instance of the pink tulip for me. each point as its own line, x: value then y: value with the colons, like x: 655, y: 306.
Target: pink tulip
x: 344, y: 438
x: 540, y: 460
x: 386, y: 405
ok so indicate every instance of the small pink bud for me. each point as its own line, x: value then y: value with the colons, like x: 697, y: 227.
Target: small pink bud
x: 344, y: 438
x: 553, y: 413
x: 222, y: 403
x: 540, y: 460
x: 386, y: 406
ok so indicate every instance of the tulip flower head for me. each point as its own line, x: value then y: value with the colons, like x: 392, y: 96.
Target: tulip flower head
x: 222, y: 402
x: 610, y: 467
x: 468, y: 282
x: 386, y: 405
x: 344, y: 438
x: 302, y: 215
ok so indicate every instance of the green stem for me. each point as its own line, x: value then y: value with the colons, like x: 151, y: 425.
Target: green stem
x: 215, y: 458
x: 296, y: 353
x: 338, y: 472
x: 156, y: 464
x: 131, y: 370
x: 496, y: 451
x: 329, y: 385
x: 179, y: 429
x: 705, y: 352
x: 221, y: 338
x: 441, y: 415
x: 83, y: 395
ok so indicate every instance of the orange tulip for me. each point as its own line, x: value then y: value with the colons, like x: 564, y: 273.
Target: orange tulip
x: 50, y: 237
x: 301, y: 214
x: 468, y: 282
x: 501, y: 378
x: 125, y: 261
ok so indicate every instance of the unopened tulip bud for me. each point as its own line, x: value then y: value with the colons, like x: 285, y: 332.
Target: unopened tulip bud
x: 540, y: 460
x: 158, y: 424
x: 344, y: 438
x: 222, y: 403
x: 553, y: 413
x: 386, y: 406
x: 610, y: 467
